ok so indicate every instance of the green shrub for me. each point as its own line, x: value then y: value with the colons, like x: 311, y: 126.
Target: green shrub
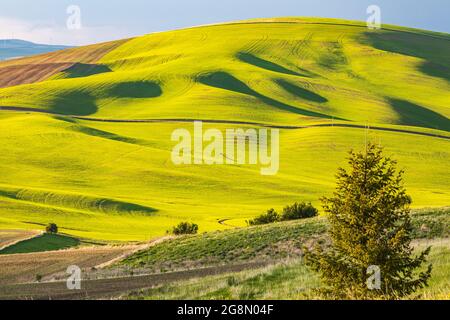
x: 370, y: 206
x: 299, y: 211
x: 270, y: 217
x: 51, y: 228
x: 185, y: 228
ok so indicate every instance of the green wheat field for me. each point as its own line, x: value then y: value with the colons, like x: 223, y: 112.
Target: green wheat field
x: 72, y: 151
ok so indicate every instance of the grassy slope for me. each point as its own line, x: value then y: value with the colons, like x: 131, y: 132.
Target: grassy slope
x: 8, y: 237
x: 285, y: 277
x: 286, y: 281
x: 273, y: 242
x: 46, y: 242
x: 281, y: 73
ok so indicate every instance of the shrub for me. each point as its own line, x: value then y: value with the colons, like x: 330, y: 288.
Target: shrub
x: 185, y: 228
x: 51, y: 228
x: 299, y: 211
x: 270, y: 217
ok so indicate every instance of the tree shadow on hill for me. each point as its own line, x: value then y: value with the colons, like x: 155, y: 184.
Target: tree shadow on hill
x: 135, y: 89
x: 300, y: 92
x: 226, y: 81
x: 435, y: 52
x: 414, y: 115
x: 268, y: 65
x: 80, y: 70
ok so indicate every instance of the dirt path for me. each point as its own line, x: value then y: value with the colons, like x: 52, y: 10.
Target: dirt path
x: 112, y: 288
x: 223, y: 222
x: 338, y: 125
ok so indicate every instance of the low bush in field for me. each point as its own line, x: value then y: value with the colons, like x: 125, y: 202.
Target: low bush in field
x: 299, y: 211
x: 270, y: 217
x: 296, y: 211
x: 185, y: 228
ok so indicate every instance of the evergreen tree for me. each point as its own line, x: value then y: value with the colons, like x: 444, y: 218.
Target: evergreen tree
x: 370, y: 230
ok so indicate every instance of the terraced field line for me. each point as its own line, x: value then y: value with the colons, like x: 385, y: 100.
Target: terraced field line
x: 189, y: 120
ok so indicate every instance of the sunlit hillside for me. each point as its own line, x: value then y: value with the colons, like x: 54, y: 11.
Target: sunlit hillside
x: 75, y: 151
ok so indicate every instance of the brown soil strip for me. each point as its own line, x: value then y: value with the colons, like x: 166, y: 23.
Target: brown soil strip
x: 41, y: 67
x: 109, y: 288
x: 22, y: 268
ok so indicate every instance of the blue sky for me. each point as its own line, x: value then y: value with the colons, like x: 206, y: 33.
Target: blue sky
x: 44, y: 21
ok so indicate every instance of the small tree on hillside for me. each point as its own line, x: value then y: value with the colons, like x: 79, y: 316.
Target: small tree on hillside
x: 51, y: 228
x: 370, y: 231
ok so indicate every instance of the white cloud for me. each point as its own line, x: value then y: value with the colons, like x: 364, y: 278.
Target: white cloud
x: 48, y: 32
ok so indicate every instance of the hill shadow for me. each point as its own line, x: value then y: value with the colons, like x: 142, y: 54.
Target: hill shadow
x: 80, y: 70
x: 135, y: 89
x: 226, y: 81
x: 301, y: 92
x: 435, y: 70
x: 105, y: 205
x: 121, y: 207
x: 267, y: 65
x: 108, y: 135
x: 414, y: 115
x: 435, y: 52
x: 75, y: 102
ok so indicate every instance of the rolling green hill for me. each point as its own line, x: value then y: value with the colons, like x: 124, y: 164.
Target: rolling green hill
x: 83, y: 160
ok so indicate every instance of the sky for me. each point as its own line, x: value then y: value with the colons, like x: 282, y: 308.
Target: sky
x: 46, y: 21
